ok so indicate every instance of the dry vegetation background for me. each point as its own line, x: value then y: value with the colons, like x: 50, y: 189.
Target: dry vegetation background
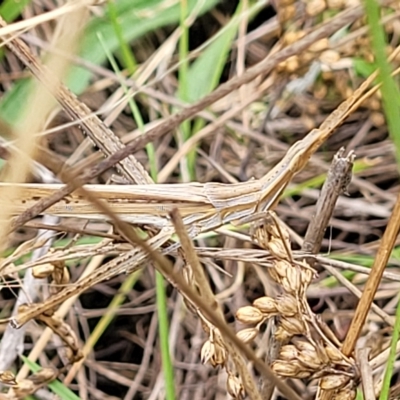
x: 141, y: 336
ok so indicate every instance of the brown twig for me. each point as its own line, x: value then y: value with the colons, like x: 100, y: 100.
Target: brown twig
x: 336, y: 182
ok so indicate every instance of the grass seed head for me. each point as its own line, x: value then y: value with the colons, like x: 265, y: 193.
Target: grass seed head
x: 290, y: 369
x: 266, y: 305
x: 7, y: 378
x: 292, y: 325
x: 249, y: 315
x: 277, y: 248
x: 336, y: 4
x: 235, y: 387
x: 288, y: 353
x: 247, y: 335
x: 347, y: 393
x: 334, y: 381
x: 334, y: 354
x: 43, y: 271
x: 310, y: 360
x: 24, y: 388
x: 281, y: 267
x: 219, y: 356
x: 44, y: 375
x: 207, y: 351
x: 307, y: 275
x: 282, y: 335
x: 287, y: 305
x: 213, y: 353
x: 274, y: 275
x: 294, y: 282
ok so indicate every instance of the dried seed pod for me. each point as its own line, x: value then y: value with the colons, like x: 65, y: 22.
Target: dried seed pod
x: 277, y: 249
x: 347, y: 393
x: 219, y: 356
x: 286, y: 285
x: 72, y: 355
x: 334, y: 381
x: 281, y: 267
x: 334, y: 354
x: 24, y: 388
x: 291, y: 369
x: 274, y: 275
x: 287, y: 305
x: 303, y: 345
x: 310, y: 360
x: 293, y: 276
x: 249, y: 315
x: 307, y: 275
x: 266, y: 304
x: 282, y: 335
x: 247, y: 335
x: 207, y: 351
x: 234, y: 387
x: 7, y: 378
x: 288, y: 353
x: 44, y: 375
x: 292, y: 325
x: 287, y: 13
x: 43, y: 271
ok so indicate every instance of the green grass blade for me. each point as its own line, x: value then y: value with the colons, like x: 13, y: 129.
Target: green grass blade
x: 127, y: 56
x: 56, y: 386
x: 162, y: 310
x: 389, y: 89
x: 391, y: 106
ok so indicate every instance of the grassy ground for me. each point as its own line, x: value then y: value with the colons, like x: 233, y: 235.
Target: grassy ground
x: 200, y: 91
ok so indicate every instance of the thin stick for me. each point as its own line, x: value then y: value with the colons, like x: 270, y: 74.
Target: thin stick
x: 338, y: 177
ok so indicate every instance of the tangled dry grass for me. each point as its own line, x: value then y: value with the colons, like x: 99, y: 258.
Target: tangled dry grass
x: 254, y: 306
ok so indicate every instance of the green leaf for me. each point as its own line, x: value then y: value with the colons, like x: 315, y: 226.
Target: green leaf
x: 10, y: 9
x: 205, y: 72
x: 363, y: 68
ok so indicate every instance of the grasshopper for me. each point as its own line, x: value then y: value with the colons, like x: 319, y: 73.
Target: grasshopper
x: 204, y: 207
